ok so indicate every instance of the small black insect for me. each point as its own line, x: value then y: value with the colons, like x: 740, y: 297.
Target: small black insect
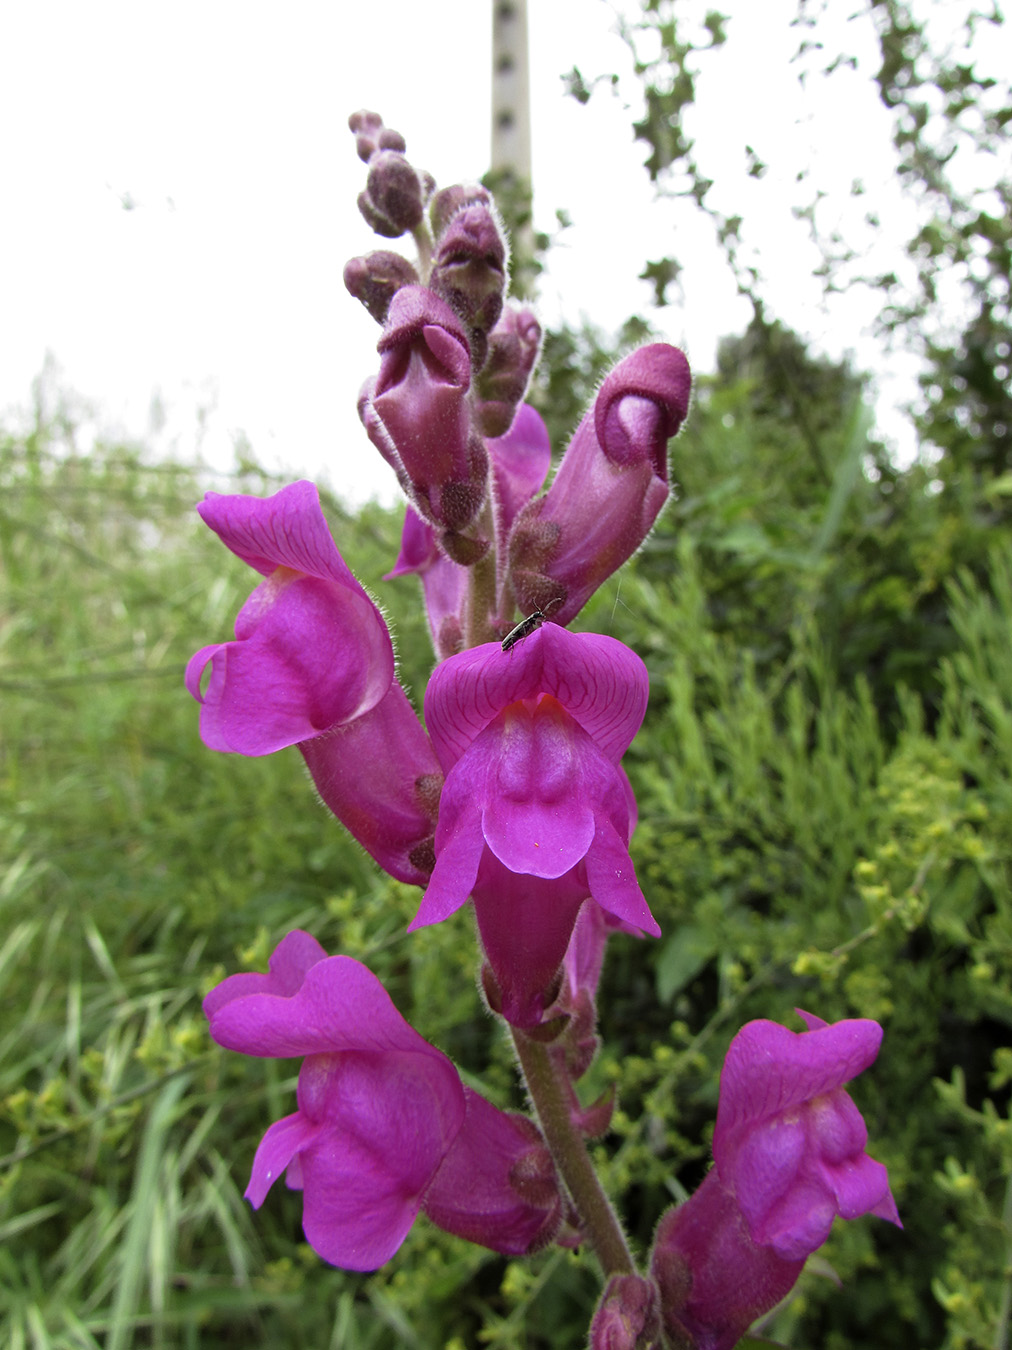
x: 527, y: 626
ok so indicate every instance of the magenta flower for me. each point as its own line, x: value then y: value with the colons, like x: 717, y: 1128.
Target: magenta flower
x: 312, y: 665
x: 535, y: 814
x: 788, y: 1157
x: 789, y: 1141
x: 312, y: 651
x: 609, y: 488
x: 420, y: 399
x: 380, y: 1111
x: 378, y: 1106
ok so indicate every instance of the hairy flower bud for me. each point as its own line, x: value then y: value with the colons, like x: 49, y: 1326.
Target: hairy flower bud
x: 448, y: 201
x: 420, y: 398
x: 469, y: 269
x: 513, y: 346
x: 610, y: 486
x: 366, y: 127
x: 628, y: 1316
x: 371, y: 135
x: 376, y: 278
x: 394, y: 196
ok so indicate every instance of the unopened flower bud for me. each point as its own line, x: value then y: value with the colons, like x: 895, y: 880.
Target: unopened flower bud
x: 371, y: 135
x: 448, y: 201
x: 367, y: 127
x: 610, y: 486
x: 513, y: 346
x: 420, y: 397
x: 469, y: 270
x: 394, y: 196
x: 628, y: 1316
x: 376, y: 278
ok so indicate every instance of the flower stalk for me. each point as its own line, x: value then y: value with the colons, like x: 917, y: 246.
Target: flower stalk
x: 509, y: 798
x: 549, y: 1093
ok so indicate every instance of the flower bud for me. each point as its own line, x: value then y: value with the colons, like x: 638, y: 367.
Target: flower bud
x: 448, y: 201
x: 367, y: 127
x: 469, y: 269
x: 371, y: 135
x: 376, y: 278
x: 513, y: 346
x: 420, y: 398
x: 394, y: 196
x: 610, y: 486
x: 628, y: 1316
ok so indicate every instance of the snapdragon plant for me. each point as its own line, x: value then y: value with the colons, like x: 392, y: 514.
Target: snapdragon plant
x: 511, y: 800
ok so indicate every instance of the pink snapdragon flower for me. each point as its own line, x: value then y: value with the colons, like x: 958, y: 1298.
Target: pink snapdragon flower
x: 312, y: 665
x: 311, y: 650
x: 384, y: 1127
x: 420, y: 397
x: 536, y: 813
x: 609, y: 488
x: 789, y: 1155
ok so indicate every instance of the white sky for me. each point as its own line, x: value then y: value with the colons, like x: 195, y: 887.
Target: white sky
x: 224, y: 125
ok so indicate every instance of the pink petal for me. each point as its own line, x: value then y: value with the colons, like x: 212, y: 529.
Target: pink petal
x: 354, y: 1215
x: 285, y: 530
x: 318, y: 656
x: 520, y: 462
x: 340, y: 1006
x: 277, y: 1148
x: 390, y: 1120
x: 612, y: 879
x: 769, y: 1069
x: 601, y: 684
x: 294, y: 955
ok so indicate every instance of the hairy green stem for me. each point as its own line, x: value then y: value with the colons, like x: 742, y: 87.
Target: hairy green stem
x: 551, y: 1100
x: 481, y: 598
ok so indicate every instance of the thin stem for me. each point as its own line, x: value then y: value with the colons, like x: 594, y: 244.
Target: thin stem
x: 423, y: 242
x: 551, y: 1100
x: 481, y: 599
